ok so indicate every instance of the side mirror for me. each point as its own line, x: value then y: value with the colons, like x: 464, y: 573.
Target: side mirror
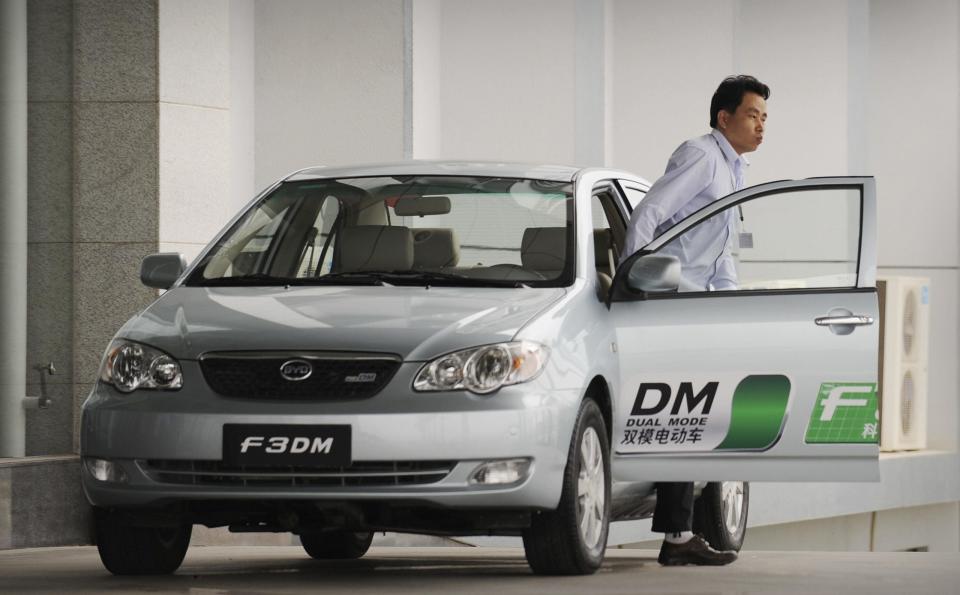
x: 645, y: 273
x: 162, y: 270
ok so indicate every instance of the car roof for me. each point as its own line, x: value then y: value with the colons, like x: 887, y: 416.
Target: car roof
x: 558, y: 173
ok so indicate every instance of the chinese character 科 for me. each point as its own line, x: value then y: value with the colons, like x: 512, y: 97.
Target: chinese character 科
x: 646, y: 436
x: 663, y: 436
x: 869, y: 431
x: 695, y: 435
x: 629, y: 437
x: 679, y: 436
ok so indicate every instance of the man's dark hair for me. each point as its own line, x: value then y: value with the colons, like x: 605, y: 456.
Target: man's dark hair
x: 729, y: 94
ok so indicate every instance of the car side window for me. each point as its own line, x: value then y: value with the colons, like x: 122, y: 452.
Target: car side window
x: 608, y: 233
x: 634, y: 195
x: 316, y: 258
x: 798, y: 239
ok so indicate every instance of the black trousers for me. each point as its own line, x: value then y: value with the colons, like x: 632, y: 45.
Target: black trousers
x: 674, y: 511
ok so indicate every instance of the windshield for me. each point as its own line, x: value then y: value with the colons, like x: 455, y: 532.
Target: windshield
x: 415, y: 230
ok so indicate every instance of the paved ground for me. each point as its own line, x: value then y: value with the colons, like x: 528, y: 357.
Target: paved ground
x: 266, y: 569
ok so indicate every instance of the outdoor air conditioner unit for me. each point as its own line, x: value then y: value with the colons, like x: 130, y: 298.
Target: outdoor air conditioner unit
x: 904, y: 343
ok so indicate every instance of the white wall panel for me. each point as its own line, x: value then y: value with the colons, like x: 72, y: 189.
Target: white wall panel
x: 426, y: 55
x: 507, y: 80
x: 194, y: 173
x: 329, y: 84
x: 800, y: 51
x: 242, y: 118
x: 912, y: 146
x: 194, y: 52
x: 667, y: 60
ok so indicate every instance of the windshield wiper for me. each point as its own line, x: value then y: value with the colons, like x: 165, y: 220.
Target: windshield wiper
x: 251, y: 279
x: 264, y: 279
x: 365, y: 277
x: 362, y: 278
x: 429, y: 277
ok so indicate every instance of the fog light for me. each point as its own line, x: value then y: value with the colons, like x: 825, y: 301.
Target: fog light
x: 104, y: 470
x: 500, y: 472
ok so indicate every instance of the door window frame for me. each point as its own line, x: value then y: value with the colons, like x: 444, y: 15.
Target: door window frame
x: 866, y: 244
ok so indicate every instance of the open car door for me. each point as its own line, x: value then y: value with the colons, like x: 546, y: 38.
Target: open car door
x: 774, y: 379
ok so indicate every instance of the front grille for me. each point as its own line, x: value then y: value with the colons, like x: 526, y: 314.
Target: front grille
x: 362, y: 473
x: 334, y: 376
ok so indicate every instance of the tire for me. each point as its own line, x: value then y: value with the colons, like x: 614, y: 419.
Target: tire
x: 720, y: 514
x: 561, y: 541
x: 336, y: 545
x: 127, y: 549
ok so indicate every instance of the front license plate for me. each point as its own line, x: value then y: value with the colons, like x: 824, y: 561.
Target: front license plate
x: 272, y: 445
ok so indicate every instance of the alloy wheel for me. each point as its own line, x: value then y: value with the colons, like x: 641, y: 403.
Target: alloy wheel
x: 731, y: 495
x: 591, y: 489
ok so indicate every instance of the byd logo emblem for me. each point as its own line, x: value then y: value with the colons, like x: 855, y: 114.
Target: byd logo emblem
x: 296, y: 369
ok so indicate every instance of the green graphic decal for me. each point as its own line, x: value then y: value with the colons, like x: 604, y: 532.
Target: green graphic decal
x: 756, y: 415
x: 845, y: 412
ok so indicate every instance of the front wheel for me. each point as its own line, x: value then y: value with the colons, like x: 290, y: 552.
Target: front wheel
x: 572, y: 538
x: 720, y: 514
x: 336, y: 545
x: 127, y: 548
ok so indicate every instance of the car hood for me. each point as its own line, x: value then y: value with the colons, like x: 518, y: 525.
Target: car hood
x: 416, y: 323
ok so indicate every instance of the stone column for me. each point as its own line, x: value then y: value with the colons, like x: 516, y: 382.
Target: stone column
x: 115, y: 172
x: 50, y: 224
x: 13, y: 218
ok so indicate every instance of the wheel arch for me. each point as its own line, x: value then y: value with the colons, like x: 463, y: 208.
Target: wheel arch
x: 599, y: 391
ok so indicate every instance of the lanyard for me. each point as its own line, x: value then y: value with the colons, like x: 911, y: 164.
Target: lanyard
x: 733, y: 176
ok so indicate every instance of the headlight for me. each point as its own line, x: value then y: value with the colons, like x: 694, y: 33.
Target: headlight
x: 129, y: 366
x: 484, y: 369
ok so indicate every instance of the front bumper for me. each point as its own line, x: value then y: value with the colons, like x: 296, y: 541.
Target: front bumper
x: 397, y: 426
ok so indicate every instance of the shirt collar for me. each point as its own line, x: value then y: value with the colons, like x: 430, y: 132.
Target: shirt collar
x: 727, y: 149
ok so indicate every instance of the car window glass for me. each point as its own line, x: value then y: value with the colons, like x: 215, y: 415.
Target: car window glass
x: 800, y: 239
x: 634, y: 195
x: 248, y: 249
x: 490, y: 232
x: 317, y: 255
x: 600, y: 220
x: 471, y: 230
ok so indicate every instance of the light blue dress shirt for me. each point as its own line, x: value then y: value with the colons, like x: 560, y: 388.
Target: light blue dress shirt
x: 699, y: 172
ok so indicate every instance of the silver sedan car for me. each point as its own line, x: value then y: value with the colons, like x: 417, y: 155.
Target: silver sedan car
x: 461, y: 348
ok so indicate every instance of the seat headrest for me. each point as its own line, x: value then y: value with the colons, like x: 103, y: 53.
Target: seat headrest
x: 376, y: 248
x: 601, y: 243
x: 544, y: 248
x: 435, y: 247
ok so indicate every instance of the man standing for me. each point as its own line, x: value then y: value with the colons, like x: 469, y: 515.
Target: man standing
x: 699, y: 172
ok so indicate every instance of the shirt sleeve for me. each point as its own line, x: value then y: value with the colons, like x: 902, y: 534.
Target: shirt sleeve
x: 689, y: 172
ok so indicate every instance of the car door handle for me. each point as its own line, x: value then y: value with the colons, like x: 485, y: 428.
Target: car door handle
x: 852, y: 320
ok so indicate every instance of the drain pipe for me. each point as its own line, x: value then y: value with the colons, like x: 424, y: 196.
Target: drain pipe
x: 13, y: 226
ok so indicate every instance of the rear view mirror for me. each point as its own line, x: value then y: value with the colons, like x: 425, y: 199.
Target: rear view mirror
x: 645, y: 273
x: 162, y: 270
x: 418, y: 206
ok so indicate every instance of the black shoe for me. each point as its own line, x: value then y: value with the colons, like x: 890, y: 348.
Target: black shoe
x: 695, y: 551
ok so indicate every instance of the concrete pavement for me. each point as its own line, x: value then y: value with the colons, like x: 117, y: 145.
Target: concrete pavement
x: 277, y: 569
